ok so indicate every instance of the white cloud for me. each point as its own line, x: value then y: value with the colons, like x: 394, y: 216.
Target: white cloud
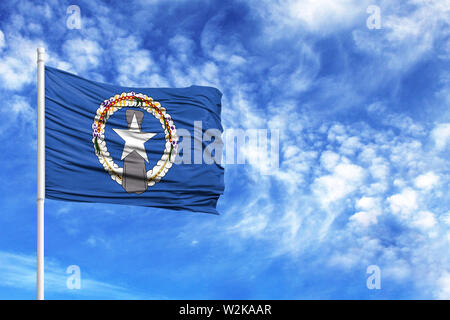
x: 444, y: 286
x: 2, y: 40
x: 17, y: 115
x: 313, y: 15
x: 379, y: 168
x: 136, y: 65
x: 21, y: 108
x: 346, y: 178
x: 367, y: 154
x: 320, y: 15
x: 183, y: 47
x: 406, y: 154
x: 426, y: 181
x: 398, y: 269
x: 403, y: 203
x: 441, y: 135
x: 337, y: 133
x: 19, y: 271
x: 446, y: 218
x: 367, y: 203
x: 84, y: 54
x: 424, y: 220
x: 251, y: 225
x: 329, y: 160
x: 370, y: 209
x: 395, y: 120
x: 306, y: 222
x: 409, y: 31
x: 364, y: 218
x: 95, y: 241
x: 350, y: 146
x: 18, y: 62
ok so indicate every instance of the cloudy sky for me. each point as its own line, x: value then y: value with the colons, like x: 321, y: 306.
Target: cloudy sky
x: 364, y: 127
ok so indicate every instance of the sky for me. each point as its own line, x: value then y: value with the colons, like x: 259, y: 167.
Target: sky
x: 364, y: 135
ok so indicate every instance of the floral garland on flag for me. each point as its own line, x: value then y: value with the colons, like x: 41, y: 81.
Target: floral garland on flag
x: 108, y: 108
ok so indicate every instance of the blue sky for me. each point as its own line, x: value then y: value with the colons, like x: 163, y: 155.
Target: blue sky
x: 364, y: 123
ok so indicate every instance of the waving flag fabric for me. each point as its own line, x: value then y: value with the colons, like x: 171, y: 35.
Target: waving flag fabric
x: 106, y: 143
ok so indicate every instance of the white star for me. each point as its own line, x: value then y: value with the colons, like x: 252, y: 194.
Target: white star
x: 134, y: 139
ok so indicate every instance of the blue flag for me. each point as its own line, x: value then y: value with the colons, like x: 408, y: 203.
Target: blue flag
x: 105, y: 143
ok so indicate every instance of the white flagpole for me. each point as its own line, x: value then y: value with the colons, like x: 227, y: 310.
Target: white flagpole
x: 40, y: 172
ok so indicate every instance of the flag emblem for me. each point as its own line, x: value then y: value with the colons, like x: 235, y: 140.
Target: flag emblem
x: 133, y: 176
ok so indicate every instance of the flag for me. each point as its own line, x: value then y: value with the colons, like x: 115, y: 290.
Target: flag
x: 111, y: 144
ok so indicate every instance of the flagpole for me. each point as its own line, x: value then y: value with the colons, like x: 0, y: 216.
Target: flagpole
x: 40, y: 172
